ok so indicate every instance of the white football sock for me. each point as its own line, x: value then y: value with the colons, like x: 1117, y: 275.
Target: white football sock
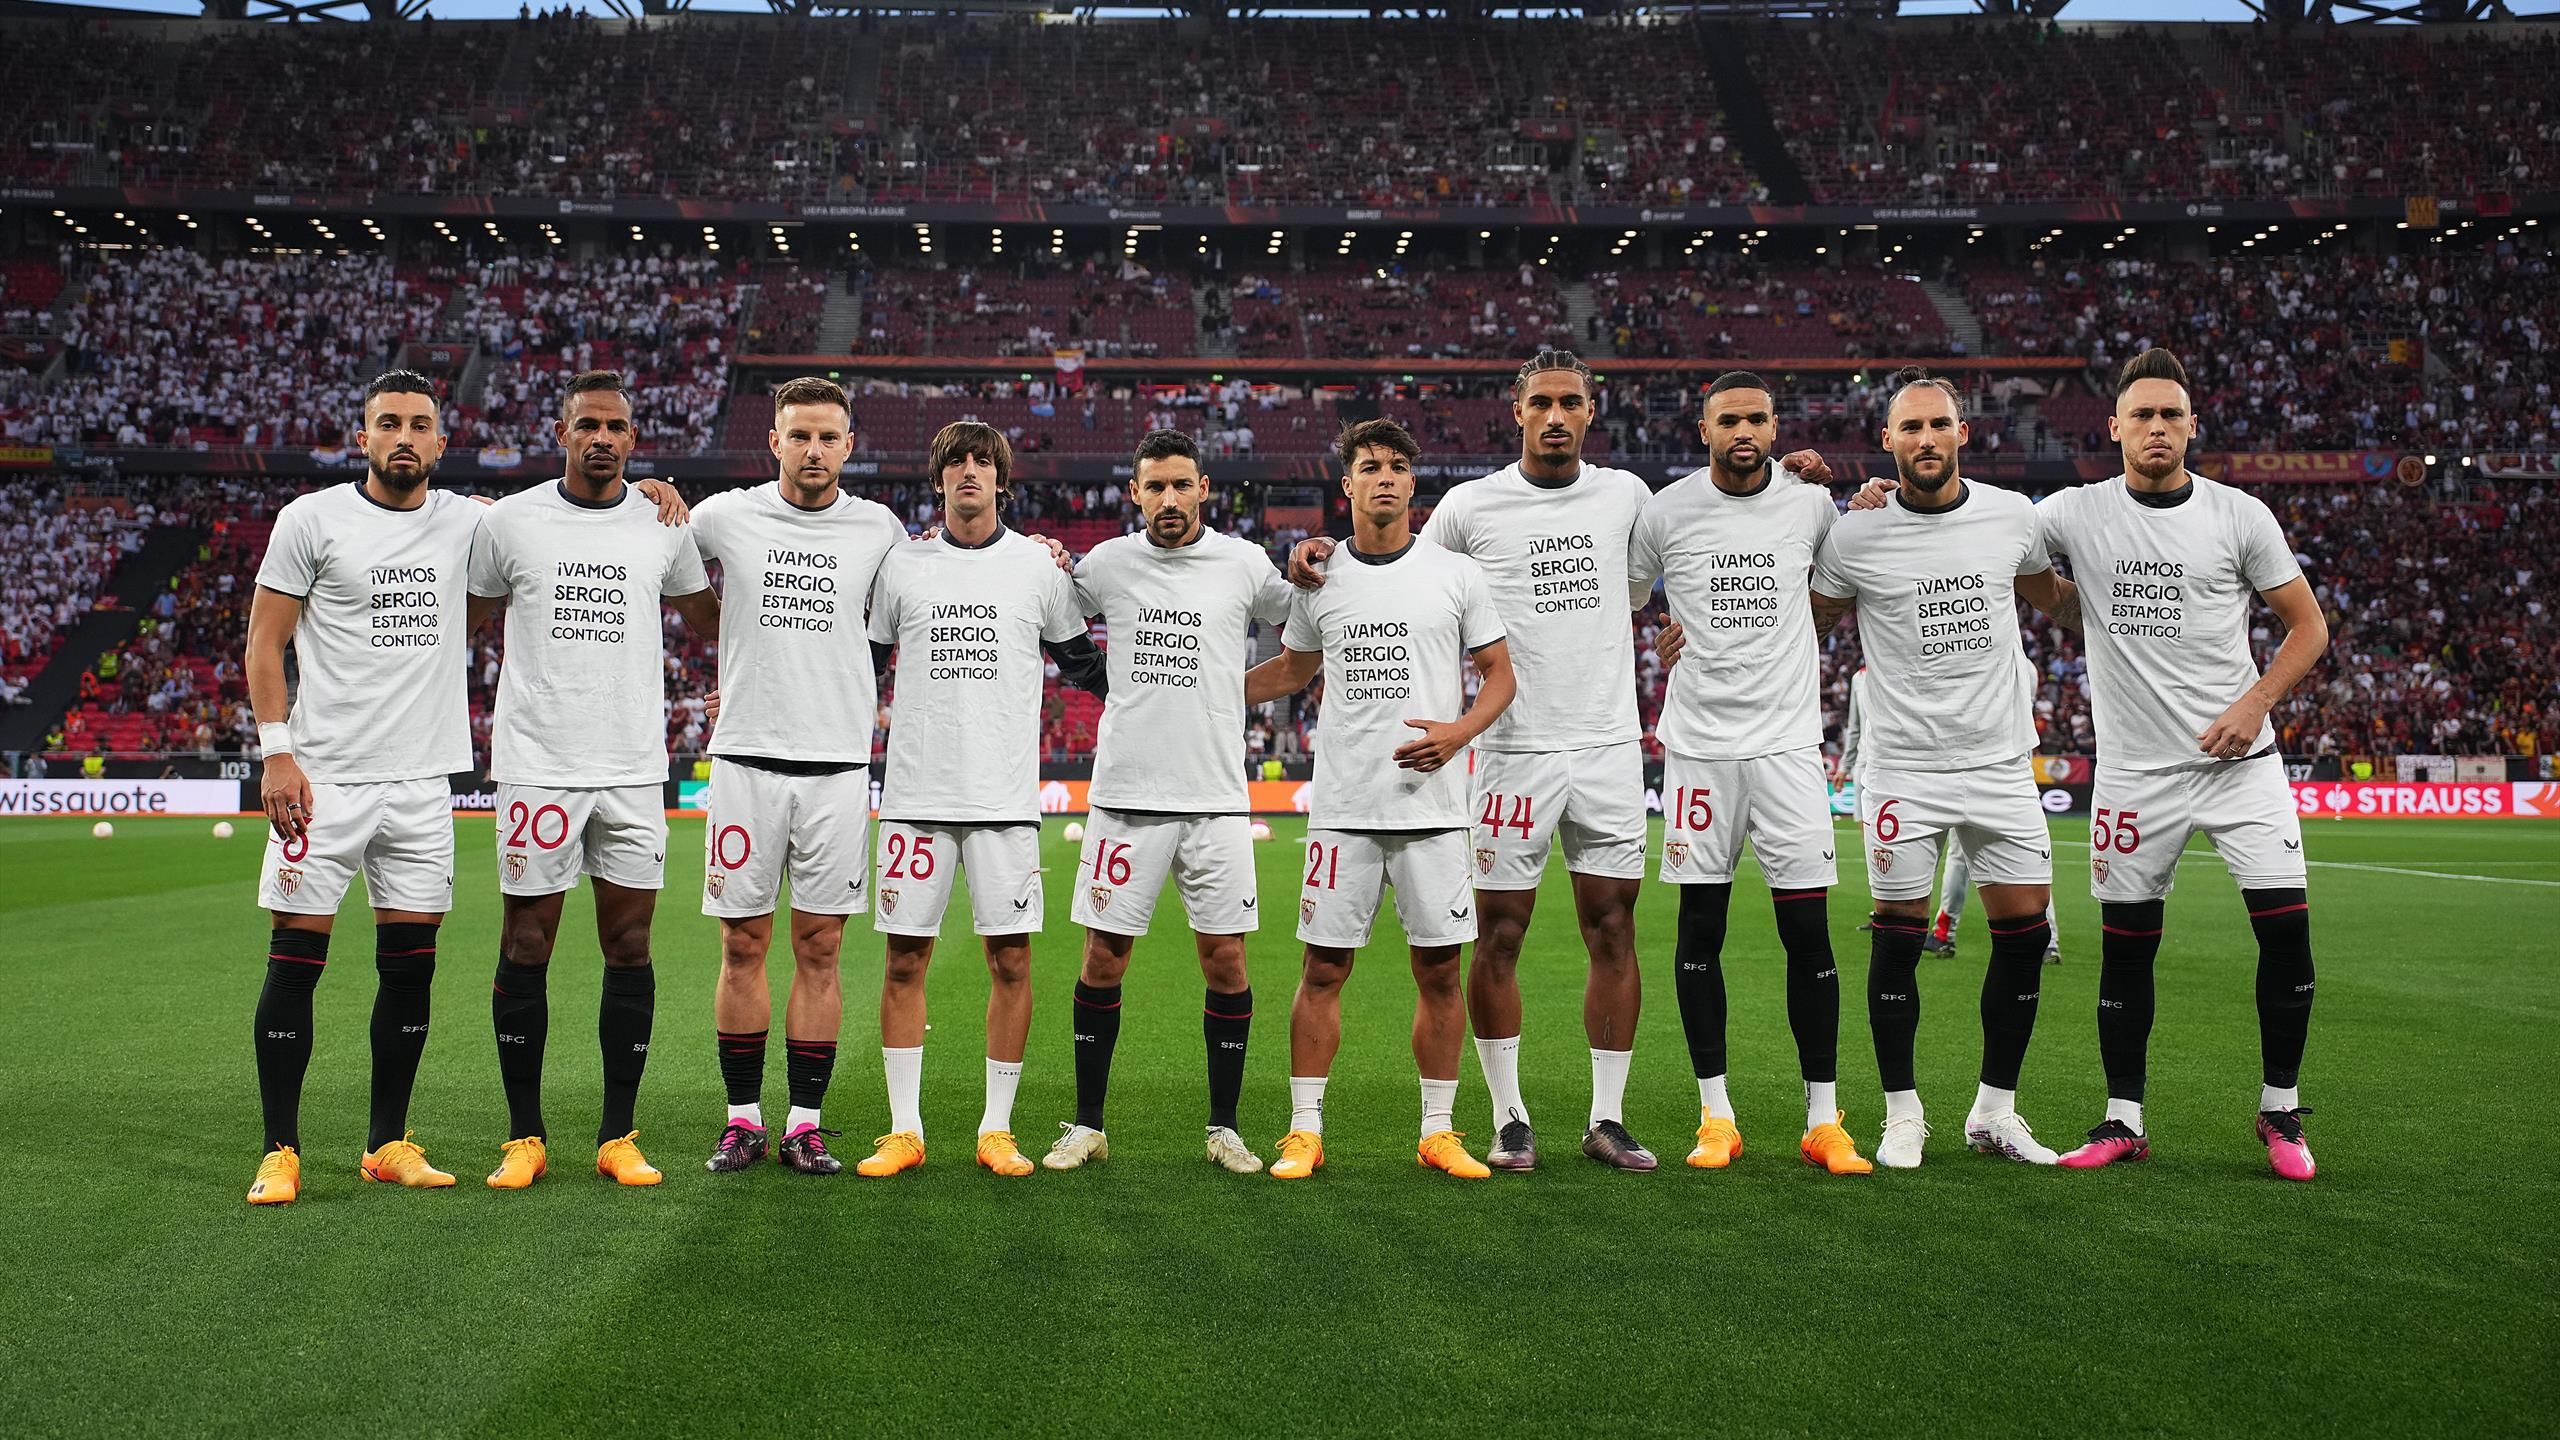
x: 1306, y: 1103
x: 1711, y: 1097
x: 1003, y: 1077
x: 905, y: 1070
x: 1609, y: 1084
x: 1990, y: 1104
x: 1501, y: 1062
x: 1439, y: 1100
x: 1901, y: 1105
x: 753, y: 1114
x: 800, y: 1115
x: 1821, y: 1103
x: 2128, y: 1111
x: 2272, y: 1098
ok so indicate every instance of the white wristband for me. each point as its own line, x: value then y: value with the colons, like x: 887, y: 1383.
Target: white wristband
x: 275, y: 737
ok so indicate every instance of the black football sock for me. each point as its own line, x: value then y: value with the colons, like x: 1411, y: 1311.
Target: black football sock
x: 1096, y: 1018
x: 295, y: 959
x: 1697, y: 976
x: 2011, y: 985
x: 404, y: 960
x: 742, y: 1064
x: 629, y: 1007
x: 1226, y: 1021
x: 1893, y: 996
x: 2282, y: 919
x: 808, y: 1066
x: 1813, y: 981
x: 520, y: 1008
x: 2129, y: 941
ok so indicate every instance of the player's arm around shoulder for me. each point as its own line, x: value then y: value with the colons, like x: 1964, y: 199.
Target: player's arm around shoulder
x: 1301, y: 656
x: 1833, y: 591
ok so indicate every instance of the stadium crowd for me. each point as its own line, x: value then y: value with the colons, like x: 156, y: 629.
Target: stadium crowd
x: 2295, y: 352
x: 1252, y: 111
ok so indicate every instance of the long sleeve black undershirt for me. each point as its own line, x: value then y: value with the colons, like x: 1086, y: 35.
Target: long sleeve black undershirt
x: 1080, y: 663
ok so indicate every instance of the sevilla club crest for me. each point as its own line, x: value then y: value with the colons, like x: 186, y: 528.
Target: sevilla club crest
x: 1484, y: 861
x: 1307, y: 910
x: 1882, y: 859
x: 888, y: 900
x: 513, y: 863
x: 715, y: 882
x: 1676, y: 851
x: 288, y: 880
x: 2098, y: 867
x: 1100, y: 895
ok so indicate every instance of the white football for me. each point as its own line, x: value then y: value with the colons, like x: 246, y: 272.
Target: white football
x: 102, y: 829
x: 1074, y: 831
x: 222, y: 830
x: 1261, y: 831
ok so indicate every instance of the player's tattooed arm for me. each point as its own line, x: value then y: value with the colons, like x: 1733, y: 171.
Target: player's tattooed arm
x: 1444, y: 740
x: 701, y: 611
x: 283, y: 790
x: 1282, y: 675
x: 2056, y: 596
x: 1827, y: 611
x: 670, y: 502
x: 2306, y: 639
x: 1305, y: 559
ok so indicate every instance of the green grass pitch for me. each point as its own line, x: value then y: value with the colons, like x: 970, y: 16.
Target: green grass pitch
x: 2412, y: 1288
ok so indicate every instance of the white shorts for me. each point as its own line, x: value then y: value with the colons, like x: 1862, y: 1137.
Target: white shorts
x: 548, y: 838
x: 1126, y: 859
x: 399, y: 832
x: 1993, y: 811
x: 919, y: 859
x: 763, y: 825
x: 1338, y: 902
x: 1779, y: 802
x: 1591, y: 799
x: 2140, y: 819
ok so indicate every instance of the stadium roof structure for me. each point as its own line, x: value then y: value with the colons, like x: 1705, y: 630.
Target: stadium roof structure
x: 2278, y: 12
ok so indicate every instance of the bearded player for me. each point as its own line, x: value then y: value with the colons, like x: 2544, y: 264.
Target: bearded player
x: 578, y: 749
x: 1168, y: 798
x: 2168, y: 563
x: 1741, y: 733
x: 791, y: 761
x: 1935, y: 576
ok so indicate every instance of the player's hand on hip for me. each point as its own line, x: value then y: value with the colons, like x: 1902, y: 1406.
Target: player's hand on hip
x: 1057, y: 552
x: 1809, y: 466
x: 670, y: 502
x: 1440, y: 743
x: 711, y: 709
x: 1304, y: 557
x: 1669, y: 642
x: 1871, y: 495
x: 2229, y: 737
x: 286, y: 794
